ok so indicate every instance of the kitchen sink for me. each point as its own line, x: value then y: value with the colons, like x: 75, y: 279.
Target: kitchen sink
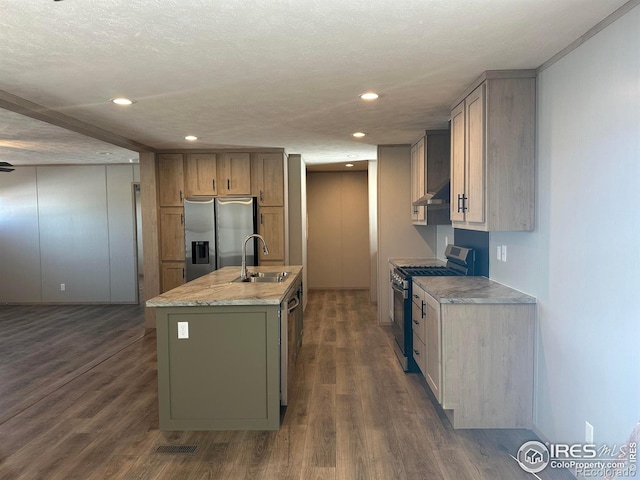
x: 263, y: 277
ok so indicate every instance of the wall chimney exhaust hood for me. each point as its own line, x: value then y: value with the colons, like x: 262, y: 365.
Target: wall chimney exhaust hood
x: 440, y: 197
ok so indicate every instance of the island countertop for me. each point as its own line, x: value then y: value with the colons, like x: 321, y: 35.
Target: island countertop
x: 218, y: 288
x: 471, y: 290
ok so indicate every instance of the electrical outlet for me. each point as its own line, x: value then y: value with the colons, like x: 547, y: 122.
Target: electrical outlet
x: 183, y: 330
x: 588, y: 433
x: 504, y: 253
x: 446, y: 241
x: 63, y: 287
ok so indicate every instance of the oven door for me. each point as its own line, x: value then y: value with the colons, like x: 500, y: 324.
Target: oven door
x: 400, y: 297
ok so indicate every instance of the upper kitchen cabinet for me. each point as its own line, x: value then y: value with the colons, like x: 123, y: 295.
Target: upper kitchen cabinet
x: 170, y: 180
x: 234, y: 173
x: 268, y: 178
x: 430, y: 179
x: 201, y: 174
x: 492, y: 153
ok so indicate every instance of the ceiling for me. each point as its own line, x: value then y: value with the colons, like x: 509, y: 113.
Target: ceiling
x: 266, y: 73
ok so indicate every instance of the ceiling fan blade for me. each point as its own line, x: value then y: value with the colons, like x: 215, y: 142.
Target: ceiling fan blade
x: 3, y: 166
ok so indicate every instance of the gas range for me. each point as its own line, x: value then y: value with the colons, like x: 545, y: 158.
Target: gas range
x: 460, y: 262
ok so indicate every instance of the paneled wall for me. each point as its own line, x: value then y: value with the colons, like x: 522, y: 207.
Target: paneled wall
x: 338, y: 216
x: 71, y: 225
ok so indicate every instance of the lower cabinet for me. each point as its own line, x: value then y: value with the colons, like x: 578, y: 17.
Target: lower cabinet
x: 219, y: 368
x: 477, y: 359
x: 172, y: 275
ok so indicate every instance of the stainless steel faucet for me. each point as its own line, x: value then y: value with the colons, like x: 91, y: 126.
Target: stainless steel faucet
x: 243, y: 273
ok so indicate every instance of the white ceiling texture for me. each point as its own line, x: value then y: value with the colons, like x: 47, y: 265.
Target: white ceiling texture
x: 261, y: 73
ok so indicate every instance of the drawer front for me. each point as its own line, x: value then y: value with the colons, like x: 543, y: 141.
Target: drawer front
x: 418, y: 321
x: 419, y: 353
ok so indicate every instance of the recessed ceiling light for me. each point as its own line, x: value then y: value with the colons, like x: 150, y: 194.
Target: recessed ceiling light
x: 122, y: 101
x: 104, y: 153
x: 191, y: 138
x: 369, y: 96
x: 352, y: 156
x: 358, y: 134
x: 349, y: 165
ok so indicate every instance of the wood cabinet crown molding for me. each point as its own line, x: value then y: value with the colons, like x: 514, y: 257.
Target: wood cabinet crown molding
x: 491, y: 75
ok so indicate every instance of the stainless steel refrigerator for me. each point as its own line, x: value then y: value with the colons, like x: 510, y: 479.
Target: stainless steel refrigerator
x: 214, y: 231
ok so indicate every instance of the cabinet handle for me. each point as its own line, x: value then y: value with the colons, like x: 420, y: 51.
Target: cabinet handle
x: 213, y: 182
x: 228, y: 184
x: 422, y: 309
x: 462, y: 199
x: 183, y: 273
x: 261, y: 219
x: 181, y: 198
x: 261, y: 195
x: 182, y: 219
x: 415, y: 296
x: 416, y: 352
x: 416, y: 322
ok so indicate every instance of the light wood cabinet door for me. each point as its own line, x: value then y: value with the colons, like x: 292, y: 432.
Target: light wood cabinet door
x: 172, y: 234
x: 433, y: 340
x: 269, y: 179
x: 172, y: 276
x: 201, y: 171
x: 475, y: 159
x: 457, y: 163
x: 234, y: 173
x: 418, y: 216
x: 271, y: 227
x: 170, y: 180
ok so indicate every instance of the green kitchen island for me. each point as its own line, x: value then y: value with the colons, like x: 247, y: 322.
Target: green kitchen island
x: 227, y: 349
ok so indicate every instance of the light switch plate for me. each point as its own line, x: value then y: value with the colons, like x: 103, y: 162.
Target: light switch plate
x: 183, y: 330
x: 499, y: 252
x: 504, y: 253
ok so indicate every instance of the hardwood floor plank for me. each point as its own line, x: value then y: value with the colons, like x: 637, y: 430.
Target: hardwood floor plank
x: 320, y: 442
x: 352, y: 460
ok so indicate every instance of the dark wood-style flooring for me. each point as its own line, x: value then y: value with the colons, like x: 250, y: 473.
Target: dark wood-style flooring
x: 78, y: 400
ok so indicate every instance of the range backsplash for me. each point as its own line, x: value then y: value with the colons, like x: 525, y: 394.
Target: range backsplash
x: 479, y: 241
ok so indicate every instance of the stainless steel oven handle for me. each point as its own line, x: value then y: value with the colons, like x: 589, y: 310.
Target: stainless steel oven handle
x: 401, y: 290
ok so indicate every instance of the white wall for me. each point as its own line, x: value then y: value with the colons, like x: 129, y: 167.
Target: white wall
x: 372, y: 176
x: 582, y: 262
x: 397, y: 236
x: 71, y: 225
x: 297, y: 194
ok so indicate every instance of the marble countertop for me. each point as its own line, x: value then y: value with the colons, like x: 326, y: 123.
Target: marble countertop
x: 218, y: 288
x: 471, y: 290
x: 421, y: 262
